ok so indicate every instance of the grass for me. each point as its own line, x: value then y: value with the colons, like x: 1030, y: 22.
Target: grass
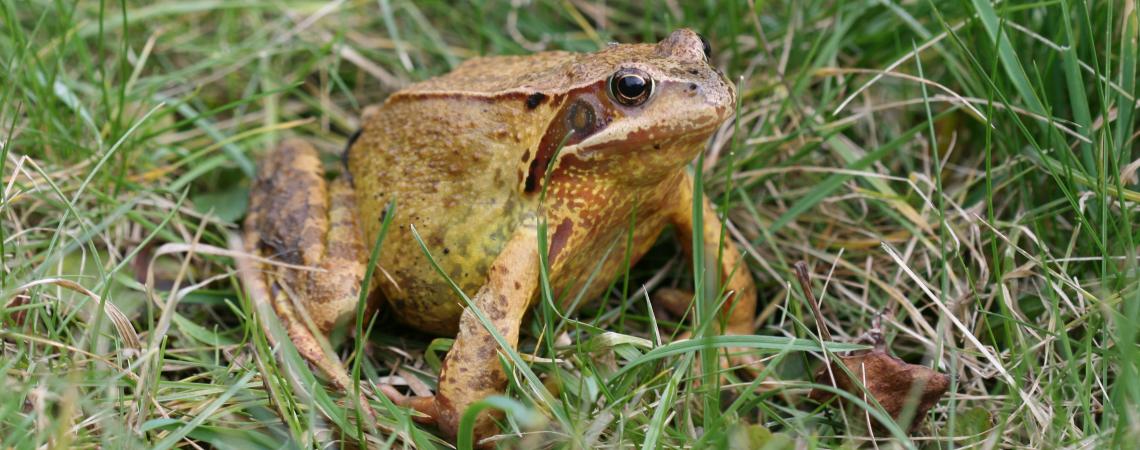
x: 966, y: 168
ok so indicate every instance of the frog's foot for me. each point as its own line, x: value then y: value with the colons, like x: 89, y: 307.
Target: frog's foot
x: 308, y: 226
x: 678, y: 304
x: 674, y: 302
x: 423, y: 404
x: 435, y: 410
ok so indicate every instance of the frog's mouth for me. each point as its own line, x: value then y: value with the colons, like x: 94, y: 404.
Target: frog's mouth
x: 653, y: 136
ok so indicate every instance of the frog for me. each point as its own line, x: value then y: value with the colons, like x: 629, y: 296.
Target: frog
x: 466, y: 169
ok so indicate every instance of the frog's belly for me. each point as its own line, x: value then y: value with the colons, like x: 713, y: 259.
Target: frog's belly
x: 421, y: 298
x: 462, y: 213
x: 464, y: 238
x: 462, y: 233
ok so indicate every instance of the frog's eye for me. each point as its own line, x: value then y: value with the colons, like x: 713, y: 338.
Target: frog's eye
x: 631, y: 87
x: 706, y: 47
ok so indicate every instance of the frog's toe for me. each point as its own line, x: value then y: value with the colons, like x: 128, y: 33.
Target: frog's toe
x: 745, y: 360
x: 675, y: 302
x: 438, y: 411
x: 423, y: 404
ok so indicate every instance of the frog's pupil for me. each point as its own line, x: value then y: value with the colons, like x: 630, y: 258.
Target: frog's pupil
x: 631, y: 86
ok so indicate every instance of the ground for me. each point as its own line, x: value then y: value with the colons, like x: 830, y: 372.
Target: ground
x: 964, y: 171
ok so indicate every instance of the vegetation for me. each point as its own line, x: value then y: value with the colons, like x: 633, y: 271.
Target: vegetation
x: 967, y: 169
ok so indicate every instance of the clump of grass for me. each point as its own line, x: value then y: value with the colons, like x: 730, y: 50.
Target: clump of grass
x: 966, y: 169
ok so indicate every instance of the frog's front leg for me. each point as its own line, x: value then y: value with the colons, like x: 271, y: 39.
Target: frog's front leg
x: 471, y: 370
x: 740, y: 309
x: 296, y: 217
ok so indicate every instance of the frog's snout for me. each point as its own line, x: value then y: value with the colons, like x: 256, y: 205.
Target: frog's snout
x: 718, y: 95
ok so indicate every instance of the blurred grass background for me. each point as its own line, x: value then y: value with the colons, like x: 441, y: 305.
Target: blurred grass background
x: 966, y: 168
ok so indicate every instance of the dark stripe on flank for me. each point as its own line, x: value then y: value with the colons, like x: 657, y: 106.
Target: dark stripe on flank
x: 558, y: 241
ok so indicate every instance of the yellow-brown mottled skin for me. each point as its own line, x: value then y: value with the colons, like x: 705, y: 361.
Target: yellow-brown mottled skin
x: 465, y: 156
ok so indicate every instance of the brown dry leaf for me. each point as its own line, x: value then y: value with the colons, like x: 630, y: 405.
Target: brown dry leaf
x: 894, y: 383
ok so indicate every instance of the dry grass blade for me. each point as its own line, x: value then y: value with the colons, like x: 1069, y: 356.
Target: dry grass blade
x: 122, y: 324
x: 804, y: 278
x: 1035, y: 408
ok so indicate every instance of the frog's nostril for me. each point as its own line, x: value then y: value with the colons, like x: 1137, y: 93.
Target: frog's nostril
x: 693, y: 90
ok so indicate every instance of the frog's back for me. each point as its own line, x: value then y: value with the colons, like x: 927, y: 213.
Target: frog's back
x: 551, y: 72
x: 496, y: 75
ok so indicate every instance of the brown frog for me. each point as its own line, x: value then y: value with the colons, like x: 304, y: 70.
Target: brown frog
x: 475, y: 159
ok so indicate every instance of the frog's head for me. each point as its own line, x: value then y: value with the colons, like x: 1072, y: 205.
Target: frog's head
x: 637, y: 112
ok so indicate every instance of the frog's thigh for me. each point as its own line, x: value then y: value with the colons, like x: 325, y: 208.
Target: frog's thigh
x: 297, y: 218
x: 734, y: 273
x: 472, y: 370
x: 334, y: 293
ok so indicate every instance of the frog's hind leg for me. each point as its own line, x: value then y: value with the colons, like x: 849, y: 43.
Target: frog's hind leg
x: 297, y: 218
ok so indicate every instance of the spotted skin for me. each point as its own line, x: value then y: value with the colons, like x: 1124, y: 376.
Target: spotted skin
x: 474, y: 160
